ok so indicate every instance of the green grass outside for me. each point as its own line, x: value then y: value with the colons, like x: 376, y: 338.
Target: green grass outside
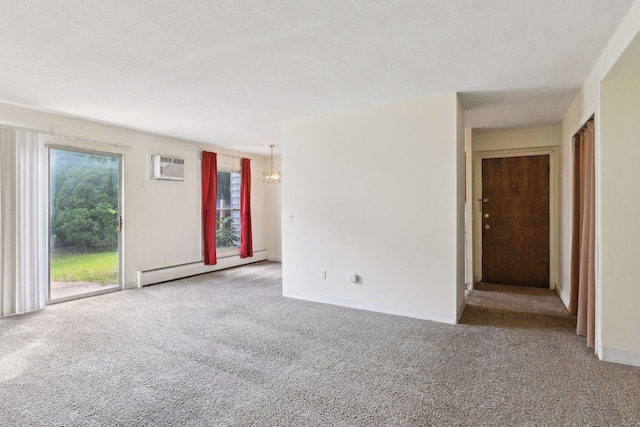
x: 99, y: 268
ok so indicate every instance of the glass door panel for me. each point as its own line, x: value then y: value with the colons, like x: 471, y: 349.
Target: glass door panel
x: 84, y: 223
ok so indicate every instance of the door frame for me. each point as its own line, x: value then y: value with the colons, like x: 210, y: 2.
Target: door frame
x: 476, y: 215
x: 120, y: 156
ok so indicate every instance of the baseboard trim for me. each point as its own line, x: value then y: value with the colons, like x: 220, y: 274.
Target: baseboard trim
x: 461, y: 308
x: 564, y: 298
x: 618, y: 356
x: 275, y: 258
x: 164, y: 274
x: 379, y: 308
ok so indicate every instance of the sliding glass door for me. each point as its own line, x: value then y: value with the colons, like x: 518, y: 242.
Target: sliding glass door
x: 84, y: 223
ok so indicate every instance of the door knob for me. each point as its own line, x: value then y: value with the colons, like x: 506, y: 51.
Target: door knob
x: 486, y: 215
x: 486, y: 227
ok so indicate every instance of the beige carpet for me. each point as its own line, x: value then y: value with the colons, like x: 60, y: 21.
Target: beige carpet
x: 69, y: 289
x: 490, y: 304
x: 226, y: 349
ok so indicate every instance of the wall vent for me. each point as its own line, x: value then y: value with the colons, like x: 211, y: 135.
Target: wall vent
x: 167, y: 168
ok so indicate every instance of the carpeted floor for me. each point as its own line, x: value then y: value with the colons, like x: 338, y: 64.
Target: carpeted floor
x: 226, y: 349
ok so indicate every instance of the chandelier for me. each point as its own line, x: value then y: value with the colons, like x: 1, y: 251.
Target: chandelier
x: 272, y: 176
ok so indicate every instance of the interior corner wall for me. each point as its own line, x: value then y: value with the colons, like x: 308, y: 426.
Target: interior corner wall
x: 375, y: 192
x: 272, y: 211
x: 619, y: 226
x: 616, y: 323
x: 584, y: 105
x: 162, y: 218
x: 468, y: 206
x: 460, y: 209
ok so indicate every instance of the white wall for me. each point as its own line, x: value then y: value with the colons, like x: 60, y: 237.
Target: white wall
x: 619, y: 208
x: 272, y: 210
x: 173, y: 208
x: 584, y: 106
x: 460, y: 209
x: 376, y: 192
x: 616, y: 321
x: 619, y: 213
x: 547, y: 136
x: 468, y: 206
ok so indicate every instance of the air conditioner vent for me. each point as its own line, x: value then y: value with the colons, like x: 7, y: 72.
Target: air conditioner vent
x: 167, y: 168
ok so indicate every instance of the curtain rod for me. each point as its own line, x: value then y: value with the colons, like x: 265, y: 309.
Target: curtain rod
x: 64, y: 136
x: 226, y: 155
x: 592, y: 118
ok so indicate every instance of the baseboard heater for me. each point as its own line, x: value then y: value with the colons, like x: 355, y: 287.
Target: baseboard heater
x: 164, y: 274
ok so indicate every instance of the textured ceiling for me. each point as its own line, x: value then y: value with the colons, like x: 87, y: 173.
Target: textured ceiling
x: 228, y: 72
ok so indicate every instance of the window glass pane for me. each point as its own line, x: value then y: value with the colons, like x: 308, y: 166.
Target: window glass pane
x: 84, y: 231
x: 228, y: 210
x: 224, y: 189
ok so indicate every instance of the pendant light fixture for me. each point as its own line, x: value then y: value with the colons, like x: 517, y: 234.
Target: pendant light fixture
x: 273, y: 176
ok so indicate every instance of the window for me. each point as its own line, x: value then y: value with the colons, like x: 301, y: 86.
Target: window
x: 228, y: 210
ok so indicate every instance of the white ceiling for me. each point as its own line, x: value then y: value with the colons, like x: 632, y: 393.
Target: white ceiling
x: 228, y: 72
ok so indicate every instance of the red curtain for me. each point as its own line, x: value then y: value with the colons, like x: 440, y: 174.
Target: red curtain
x: 246, y: 241
x: 209, y: 194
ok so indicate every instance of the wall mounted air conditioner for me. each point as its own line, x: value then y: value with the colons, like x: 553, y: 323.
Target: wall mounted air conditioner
x: 167, y: 168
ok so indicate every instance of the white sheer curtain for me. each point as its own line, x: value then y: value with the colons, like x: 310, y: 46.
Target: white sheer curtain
x: 23, y: 250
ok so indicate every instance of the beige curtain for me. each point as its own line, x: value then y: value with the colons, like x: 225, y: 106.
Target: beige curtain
x: 583, y: 287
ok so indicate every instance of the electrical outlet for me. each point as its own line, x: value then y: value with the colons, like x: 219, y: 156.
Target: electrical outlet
x: 323, y: 274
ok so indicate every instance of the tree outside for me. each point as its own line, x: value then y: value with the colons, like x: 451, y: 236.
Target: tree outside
x: 84, y: 222
x: 84, y: 202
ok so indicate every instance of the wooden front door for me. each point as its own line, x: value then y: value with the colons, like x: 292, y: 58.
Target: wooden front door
x: 515, y: 220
